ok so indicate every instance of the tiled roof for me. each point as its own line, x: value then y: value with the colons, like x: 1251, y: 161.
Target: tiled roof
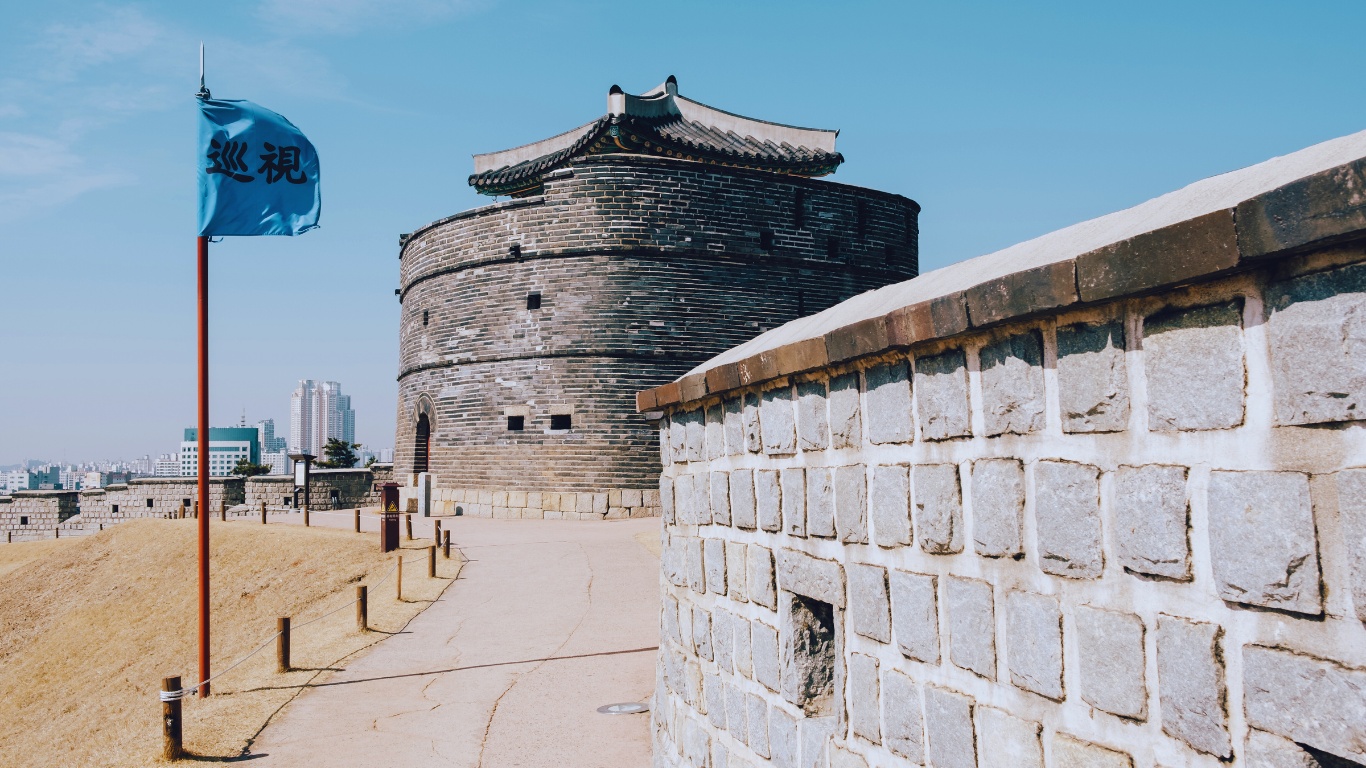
x: 661, y: 123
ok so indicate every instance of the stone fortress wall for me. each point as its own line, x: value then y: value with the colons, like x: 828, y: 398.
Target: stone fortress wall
x: 644, y: 267
x: 29, y: 514
x: 1107, y: 512
x: 34, y: 514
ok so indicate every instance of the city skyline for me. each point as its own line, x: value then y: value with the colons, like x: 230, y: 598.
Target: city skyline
x: 98, y: 106
x: 339, y: 422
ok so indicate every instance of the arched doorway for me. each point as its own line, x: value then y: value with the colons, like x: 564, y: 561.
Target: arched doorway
x: 422, y: 447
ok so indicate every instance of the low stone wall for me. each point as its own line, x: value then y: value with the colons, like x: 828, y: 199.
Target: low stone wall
x: 35, y: 514
x: 1131, y: 533
x: 154, y: 497
x: 353, y: 487
x: 613, y: 504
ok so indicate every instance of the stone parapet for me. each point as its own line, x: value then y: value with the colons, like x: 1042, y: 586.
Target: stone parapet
x: 1124, y: 531
x: 32, y: 514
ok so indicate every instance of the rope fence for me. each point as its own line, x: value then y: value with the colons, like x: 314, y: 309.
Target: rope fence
x: 173, y: 694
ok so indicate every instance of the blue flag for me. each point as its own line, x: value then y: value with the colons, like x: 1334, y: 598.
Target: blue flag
x: 258, y: 175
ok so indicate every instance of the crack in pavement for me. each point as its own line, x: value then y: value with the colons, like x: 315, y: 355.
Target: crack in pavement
x: 588, y: 606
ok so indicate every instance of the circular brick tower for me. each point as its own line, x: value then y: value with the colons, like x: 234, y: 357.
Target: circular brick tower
x: 632, y: 249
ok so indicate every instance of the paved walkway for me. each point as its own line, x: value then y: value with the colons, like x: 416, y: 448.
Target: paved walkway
x: 548, y: 621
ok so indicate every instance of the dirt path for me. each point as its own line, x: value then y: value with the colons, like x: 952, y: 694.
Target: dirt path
x: 548, y: 621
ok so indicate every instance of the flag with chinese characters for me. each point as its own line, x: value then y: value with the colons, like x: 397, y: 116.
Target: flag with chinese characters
x: 258, y: 174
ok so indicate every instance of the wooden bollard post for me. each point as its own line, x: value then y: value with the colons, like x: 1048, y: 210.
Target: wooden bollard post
x: 446, y: 544
x: 180, y: 512
x: 305, y: 515
x: 431, y: 562
x: 194, y: 511
x: 436, y: 532
x: 399, y: 581
x: 357, y: 520
x: 263, y: 513
x: 223, y: 511
x: 56, y: 533
x: 408, y: 522
x: 362, y: 608
x: 172, y: 748
x: 282, y: 644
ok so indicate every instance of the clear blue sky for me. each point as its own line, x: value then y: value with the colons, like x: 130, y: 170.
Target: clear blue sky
x: 1004, y: 120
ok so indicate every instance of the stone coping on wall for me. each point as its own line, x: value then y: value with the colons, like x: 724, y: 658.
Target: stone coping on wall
x: 1220, y: 225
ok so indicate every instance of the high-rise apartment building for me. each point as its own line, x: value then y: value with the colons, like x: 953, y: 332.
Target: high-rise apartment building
x: 301, y: 417
x: 318, y: 412
x: 269, y: 442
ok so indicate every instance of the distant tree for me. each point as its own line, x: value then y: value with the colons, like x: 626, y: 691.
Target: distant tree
x: 370, y: 462
x: 245, y: 468
x: 339, y: 454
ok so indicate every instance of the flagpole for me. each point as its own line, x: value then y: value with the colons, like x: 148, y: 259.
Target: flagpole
x: 203, y: 465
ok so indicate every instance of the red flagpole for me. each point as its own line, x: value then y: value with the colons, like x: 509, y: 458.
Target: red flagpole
x: 203, y: 465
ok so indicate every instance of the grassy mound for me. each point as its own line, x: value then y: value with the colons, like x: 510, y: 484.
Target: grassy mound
x: 90, y: 626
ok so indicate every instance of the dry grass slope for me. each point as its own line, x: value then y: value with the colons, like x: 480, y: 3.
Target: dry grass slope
x: 88, y: 627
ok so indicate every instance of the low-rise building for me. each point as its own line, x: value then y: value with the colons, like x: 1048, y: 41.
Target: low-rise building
x: 227, y: 446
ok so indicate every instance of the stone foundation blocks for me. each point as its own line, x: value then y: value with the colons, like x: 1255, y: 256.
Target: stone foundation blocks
x: 1034, y: 643
x: 951, y: 742
x: 1012, y: 384
x: 1067, y: 511
x: 915, y: 615
x: 1111, y: 658
x: 889, y: 403
x: 938, y: 508
x: 1262, y: 540
x: 1151, y: 515
x: 1190, y: 684
x: 1193, y: 362
x: 869, y: 606
x: 969, y: 608
x: 998, y: 498
x: 889, y: 506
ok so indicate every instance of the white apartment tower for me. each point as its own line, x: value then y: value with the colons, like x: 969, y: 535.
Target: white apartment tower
x: 318, y: 412
x: 301, y: 418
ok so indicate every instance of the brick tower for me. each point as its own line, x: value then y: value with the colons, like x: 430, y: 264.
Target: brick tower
x: 631, y: 249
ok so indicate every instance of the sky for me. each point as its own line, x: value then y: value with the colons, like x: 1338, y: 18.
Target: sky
x: 1003, y: 120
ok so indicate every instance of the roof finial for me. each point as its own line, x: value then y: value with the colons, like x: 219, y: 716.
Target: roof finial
x: 616, y: 101
x: 671, y: 85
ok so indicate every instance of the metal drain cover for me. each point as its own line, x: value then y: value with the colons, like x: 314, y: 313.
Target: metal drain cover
x: 626, y: 708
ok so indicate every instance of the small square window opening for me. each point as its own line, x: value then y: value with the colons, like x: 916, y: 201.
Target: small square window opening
x: 424, y: 317
x: 23, y: 519
x: 149, y: 503
x: 561, y: 421
x: 533, y: 301
x: 516, y: 423
x: 766, y: 240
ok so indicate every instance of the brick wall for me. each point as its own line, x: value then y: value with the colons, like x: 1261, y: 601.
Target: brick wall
x: 1132, y: 534
x: 644, y: 268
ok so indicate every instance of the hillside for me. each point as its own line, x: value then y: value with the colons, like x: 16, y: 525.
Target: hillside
x: 90, y: 626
